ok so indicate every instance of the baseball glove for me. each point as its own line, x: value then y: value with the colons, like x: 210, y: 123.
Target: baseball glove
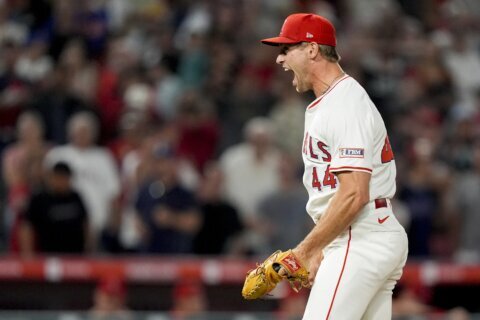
x: 280, y: 265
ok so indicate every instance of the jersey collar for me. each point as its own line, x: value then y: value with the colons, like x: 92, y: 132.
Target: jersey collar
x: 319, y: 98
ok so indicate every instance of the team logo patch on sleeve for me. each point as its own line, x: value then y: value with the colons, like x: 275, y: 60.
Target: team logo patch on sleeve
x: 351, y: 153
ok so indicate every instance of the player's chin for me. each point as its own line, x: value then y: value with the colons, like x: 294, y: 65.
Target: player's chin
x: 300, y: 89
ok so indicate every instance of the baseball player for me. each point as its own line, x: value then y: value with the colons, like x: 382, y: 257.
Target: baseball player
x: 356, y: 252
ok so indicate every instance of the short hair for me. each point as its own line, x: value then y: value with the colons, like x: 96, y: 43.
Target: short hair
x: 329, y: 53
x: 62, y: 168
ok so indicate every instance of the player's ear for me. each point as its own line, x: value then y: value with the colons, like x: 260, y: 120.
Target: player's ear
x: 313, y: 50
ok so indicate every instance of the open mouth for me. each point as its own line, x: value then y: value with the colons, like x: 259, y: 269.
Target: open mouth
x: 294, y: 80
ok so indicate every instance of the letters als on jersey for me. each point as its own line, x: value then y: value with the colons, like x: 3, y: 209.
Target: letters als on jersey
x: 313, y: 148
x: 351, y: 153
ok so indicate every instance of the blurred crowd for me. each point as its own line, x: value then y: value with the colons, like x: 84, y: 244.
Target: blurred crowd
x: 164, y: 127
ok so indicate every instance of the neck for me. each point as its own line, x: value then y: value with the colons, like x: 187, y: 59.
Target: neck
x: 325, y: 77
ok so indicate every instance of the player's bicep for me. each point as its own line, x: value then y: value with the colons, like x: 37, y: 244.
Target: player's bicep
x: 355, y: 182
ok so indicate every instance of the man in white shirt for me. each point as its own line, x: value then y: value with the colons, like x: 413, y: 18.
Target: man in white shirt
x: 257, y: 160
x: 356, y: 252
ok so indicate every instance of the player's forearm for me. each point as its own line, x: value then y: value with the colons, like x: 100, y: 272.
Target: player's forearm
x: 343, y: 209
x: 353, y: 194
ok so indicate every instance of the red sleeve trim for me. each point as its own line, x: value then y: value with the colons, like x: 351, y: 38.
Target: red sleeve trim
x: 347, y: 168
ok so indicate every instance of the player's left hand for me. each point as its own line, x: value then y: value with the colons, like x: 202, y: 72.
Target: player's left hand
x: 279, y: 266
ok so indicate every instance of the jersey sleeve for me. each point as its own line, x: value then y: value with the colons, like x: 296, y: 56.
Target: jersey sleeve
x: 352, y: 138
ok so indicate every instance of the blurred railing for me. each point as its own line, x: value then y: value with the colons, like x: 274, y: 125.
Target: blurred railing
x: 210, y: 271
x: 68, y: 315
x: 68, y: 283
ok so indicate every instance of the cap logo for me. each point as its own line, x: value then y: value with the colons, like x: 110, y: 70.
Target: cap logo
x: 283, y: 27
x: 309, y: 35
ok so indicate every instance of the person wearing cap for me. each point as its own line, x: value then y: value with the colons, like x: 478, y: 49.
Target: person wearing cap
x: 356, y: 252
x: 166, y: 212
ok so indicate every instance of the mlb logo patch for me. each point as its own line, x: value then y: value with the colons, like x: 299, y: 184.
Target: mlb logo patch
x: 351, y: 153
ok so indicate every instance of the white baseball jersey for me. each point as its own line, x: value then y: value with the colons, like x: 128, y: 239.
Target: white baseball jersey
x: 344, y: 131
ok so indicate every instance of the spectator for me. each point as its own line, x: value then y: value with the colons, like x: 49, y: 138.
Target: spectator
x: 279, y: 209
x: 466, y: 201
x: 56, y: 220
x: 421, y: 193
x: 288, y: 118
x: 109, y: 300
x: 251, y: 168
x: 245, y: 101
x: 11, y: 30
x: 56, y: 105
x: 193, y: 62
x: 22, y: 165
x: 138, y: 96
x: 189, y: 301
x: 96, y: 176
x: 65, y: 20
x: 250, y: 175
x: 14, y: 92
x: 463, y: 63
x: 82, y: 75
x: 167, y: 212
x: 221, y: 225
x: 128, y: 150
x: 34, y: 64
x: 460, y: 144
x: 198, y: 130
x: 112, y: 71
x: 168, y: 89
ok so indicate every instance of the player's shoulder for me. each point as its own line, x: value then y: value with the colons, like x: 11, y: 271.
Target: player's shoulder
x: 351, y: 96
x: 345, y: 98
x: 349, y: 89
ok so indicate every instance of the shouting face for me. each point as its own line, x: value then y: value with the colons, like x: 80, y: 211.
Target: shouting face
x: 294, y: 58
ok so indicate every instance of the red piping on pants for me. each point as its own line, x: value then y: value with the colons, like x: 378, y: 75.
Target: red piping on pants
x: 341, y: 273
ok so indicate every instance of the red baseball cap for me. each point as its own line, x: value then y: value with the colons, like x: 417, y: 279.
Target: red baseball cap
x: 305, y: 27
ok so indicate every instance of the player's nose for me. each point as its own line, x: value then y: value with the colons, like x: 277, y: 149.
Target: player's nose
x: 280, y: 59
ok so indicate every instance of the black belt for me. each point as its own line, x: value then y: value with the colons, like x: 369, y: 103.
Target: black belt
x: 381, y: 203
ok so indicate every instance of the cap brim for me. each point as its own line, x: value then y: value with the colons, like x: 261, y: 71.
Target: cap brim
x: 276, y: 41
